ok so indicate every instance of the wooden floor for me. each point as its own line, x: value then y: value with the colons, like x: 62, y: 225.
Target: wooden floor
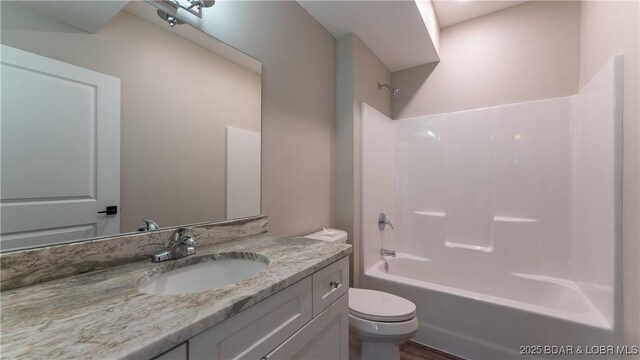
x: 415, y: 351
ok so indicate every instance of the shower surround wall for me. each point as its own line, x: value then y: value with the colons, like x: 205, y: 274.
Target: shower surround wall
x: 492, y: 181
x: 509, y: 213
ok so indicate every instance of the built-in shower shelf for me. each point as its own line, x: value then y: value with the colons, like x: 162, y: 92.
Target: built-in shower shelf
x: 450, y: 244
x: 431, y: 213
x: 506, y: 219
x: 509, y: 219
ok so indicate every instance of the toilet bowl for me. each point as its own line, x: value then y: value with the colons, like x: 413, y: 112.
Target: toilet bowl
x: 378, y: 322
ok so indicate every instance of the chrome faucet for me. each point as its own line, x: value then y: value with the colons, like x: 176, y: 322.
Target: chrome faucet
x: 383, y: 222
x: 387, y: 252
x: 180, y: 245
x: 149, y: 225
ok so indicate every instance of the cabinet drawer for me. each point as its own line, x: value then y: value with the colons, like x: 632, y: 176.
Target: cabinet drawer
x: 329, y: 284
x: 255, y: 331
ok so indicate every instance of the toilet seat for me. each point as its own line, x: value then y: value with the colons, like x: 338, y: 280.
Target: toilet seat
x: 379, y: 306
x: 383, y: 331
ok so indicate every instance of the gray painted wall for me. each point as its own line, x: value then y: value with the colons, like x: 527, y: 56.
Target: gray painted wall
x: 527, y: 52
x: 298, y: 106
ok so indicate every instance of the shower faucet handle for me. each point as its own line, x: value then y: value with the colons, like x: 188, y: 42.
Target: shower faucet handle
x: 383, y: 222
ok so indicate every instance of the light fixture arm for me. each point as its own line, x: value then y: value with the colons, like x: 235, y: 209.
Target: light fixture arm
x: 194, y: 7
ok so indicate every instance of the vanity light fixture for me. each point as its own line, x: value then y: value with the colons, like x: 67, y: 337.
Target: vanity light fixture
x: 169, y: 9
x: 172, y: 20
x: 199, y: 4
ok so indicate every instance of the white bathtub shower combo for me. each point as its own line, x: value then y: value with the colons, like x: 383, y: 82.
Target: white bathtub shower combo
x: 506, y: 219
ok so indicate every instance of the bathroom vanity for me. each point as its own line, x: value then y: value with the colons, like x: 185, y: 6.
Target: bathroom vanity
x: 297, y: 307
x: 308, y: 320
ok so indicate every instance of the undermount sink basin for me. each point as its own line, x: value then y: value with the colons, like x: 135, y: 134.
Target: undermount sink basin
x: 202, y: 273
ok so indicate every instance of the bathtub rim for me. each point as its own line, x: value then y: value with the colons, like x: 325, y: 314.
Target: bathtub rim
x: 595, y: 318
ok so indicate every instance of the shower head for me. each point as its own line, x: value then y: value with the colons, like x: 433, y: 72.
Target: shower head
x: 394, y: 91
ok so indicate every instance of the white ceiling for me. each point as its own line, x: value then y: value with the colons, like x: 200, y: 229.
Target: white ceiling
x: 451, y: 12
x: 89, y: 16
x: 394, y: 30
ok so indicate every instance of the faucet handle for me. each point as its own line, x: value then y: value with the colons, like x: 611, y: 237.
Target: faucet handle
x: 383, y: 221
x: 177, y: 235
x: 190, y: 243
x: 180, y: 245
x: 188, y: 240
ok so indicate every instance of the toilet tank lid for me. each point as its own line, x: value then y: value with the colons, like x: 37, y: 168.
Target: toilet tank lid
x: 332, y: 235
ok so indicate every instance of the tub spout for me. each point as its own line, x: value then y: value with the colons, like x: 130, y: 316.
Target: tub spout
x: 387, y: 252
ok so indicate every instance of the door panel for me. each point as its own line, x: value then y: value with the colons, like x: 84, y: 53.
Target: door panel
x: 57, y: 235
x: 47, y: 150
x: 60, y: 151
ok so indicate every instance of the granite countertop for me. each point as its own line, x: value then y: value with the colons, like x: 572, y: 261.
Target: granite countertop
x: 102, y: 315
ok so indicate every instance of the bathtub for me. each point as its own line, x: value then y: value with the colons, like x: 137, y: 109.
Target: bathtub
x: 485, y: 315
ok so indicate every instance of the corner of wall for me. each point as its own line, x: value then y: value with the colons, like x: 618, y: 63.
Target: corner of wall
x: 358, y: 73
x: 431, y: 22
x: 409, y: 81
x: 610, y: 28
x: 343, y: 204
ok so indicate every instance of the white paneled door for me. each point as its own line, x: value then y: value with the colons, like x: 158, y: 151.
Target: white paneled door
x: 60, y: 151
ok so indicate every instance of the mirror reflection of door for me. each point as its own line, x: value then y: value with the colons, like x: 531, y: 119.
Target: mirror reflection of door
x: 180, y: 89
x: 60, y: 149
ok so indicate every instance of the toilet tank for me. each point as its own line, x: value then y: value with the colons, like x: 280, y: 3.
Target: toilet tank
x: 331, y: 235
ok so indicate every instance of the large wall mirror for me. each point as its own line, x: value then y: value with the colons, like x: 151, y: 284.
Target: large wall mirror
x: 132, y: 120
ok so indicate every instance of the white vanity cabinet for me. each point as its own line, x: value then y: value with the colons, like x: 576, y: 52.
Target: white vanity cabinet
x: 307, y: 320
x: 325, y: 337
x: 177, y: 353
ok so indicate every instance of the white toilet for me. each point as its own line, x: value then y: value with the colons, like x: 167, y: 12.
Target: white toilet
x: 378, y: 322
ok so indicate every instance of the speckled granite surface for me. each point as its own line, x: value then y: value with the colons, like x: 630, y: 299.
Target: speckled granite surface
x: 32, y: 266
x: 102, y: 315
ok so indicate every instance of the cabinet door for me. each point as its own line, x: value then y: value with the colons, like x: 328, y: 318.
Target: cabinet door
x: 325, y: 337
x: 177, y: 353
x: 255, y: 331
